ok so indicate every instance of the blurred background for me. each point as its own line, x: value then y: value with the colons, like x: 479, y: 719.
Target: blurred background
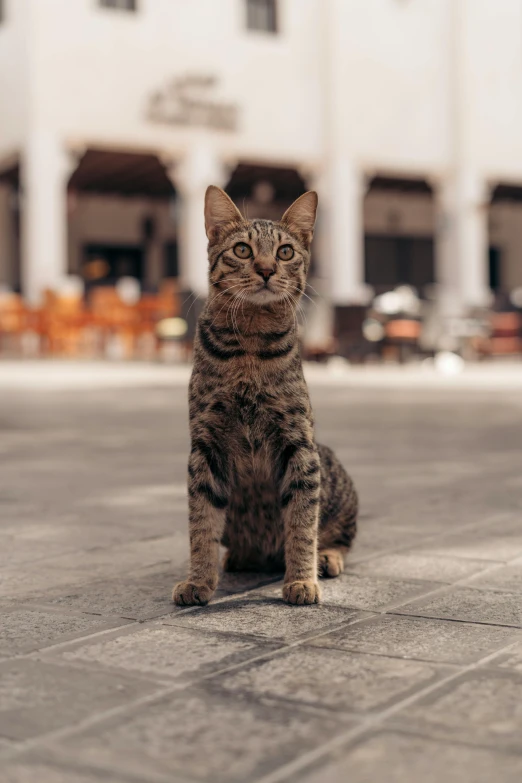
x: 403, y: 114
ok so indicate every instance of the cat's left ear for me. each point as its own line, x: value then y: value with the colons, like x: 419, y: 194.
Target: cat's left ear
x: 220, y: 211
x: 300, y: 217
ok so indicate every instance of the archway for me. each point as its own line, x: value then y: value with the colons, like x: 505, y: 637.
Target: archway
x: 399, y: 228
x: 121, y: 219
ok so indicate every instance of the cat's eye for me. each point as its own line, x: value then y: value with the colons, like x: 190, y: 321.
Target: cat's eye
x: 285, y: 252
x: 242, y: 250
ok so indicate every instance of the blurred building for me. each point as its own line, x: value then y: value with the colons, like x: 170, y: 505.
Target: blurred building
x: 405, y: 115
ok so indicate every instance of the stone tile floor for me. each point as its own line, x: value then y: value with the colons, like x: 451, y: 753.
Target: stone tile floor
x: 410, y: 670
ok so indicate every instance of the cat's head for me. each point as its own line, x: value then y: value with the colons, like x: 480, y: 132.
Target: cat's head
x: 259, y: 261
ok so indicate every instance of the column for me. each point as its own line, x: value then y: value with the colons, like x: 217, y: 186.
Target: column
x: 199, y: 168
x: 45, y: 170
x: 341, y: 201
x: 462, y: 243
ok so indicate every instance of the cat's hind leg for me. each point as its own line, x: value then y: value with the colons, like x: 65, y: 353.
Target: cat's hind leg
x: 331, y: 561
x: 335, y: 540
x: 338, y: 518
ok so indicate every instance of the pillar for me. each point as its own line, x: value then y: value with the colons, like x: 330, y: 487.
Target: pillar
x: 46, y: 167
x: 191, y: 176
x: 341, y: 201
x: 462, y: 245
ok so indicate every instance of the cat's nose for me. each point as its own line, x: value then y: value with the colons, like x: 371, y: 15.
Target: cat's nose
x: 266, y: 270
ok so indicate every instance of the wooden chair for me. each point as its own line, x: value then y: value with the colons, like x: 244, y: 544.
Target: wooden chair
x: 402, y: 336
x: 505, y: 337
x: 121, y: 324
x: 13, y: 322
x: 65, y: 322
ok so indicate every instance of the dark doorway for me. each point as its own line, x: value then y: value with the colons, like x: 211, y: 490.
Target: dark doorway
x: 106, y: 264
x: 11, y: 178
x: 391, y: 261
x: 495, y: 268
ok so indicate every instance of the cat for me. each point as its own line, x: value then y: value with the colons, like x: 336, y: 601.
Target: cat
x: 259, y: 484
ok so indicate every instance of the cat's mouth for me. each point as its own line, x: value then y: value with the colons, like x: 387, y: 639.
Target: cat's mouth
x: 265, y: 293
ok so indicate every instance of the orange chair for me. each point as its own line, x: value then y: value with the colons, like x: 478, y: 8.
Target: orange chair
x: 119, y: 323
x: 169, y: 298
x: 65, y: 321
x: 12, y: 322
x: 505, y: 338
x: 403, y: 330
x: 402, y: 337
x: 505, y: 324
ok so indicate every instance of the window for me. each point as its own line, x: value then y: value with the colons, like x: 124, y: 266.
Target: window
x: 120, y: 5
x: 261, y: 15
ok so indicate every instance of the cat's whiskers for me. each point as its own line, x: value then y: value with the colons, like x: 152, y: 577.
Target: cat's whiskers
x: 226, y: 302
x: 292, y: 310
x: 196, y: 297
x: 316, y: 292
x: 296, y: 288
x: 226, y: 290
x: 192, y: 293
x: 229, y: 310
x: 243, y: 303
x: 298, y: 308
x: 241, y: 297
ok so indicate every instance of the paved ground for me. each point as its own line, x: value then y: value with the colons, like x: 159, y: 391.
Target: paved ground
x: 411, y: 669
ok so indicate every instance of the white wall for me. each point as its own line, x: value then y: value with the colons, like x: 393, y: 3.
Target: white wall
x: 15, y: 61
x: 93, y: 82
x: 386, y: 61
x: 389, y: 70
x: 492, y: 65
x: 373, y: 77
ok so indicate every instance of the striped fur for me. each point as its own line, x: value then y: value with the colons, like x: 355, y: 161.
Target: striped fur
x: 258, y: 482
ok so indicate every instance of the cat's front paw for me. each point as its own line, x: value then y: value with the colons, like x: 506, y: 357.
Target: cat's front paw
x: 190, y: 594
x: 301, y: 593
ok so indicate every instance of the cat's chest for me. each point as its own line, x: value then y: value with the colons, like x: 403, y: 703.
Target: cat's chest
x: 250, y: 434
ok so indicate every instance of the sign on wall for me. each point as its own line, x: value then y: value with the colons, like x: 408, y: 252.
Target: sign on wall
x: 191, y: 100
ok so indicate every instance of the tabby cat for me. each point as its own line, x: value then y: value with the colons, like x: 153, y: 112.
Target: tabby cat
x: 258, y: 482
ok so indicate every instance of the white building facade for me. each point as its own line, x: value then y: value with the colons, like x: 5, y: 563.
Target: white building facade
x: 405, y: 115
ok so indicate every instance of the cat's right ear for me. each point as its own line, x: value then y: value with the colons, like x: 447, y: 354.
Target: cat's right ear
x: 220, y: 210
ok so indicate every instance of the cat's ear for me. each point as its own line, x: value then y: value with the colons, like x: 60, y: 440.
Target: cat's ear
x: 219, y: 210
x: 300, y: 217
